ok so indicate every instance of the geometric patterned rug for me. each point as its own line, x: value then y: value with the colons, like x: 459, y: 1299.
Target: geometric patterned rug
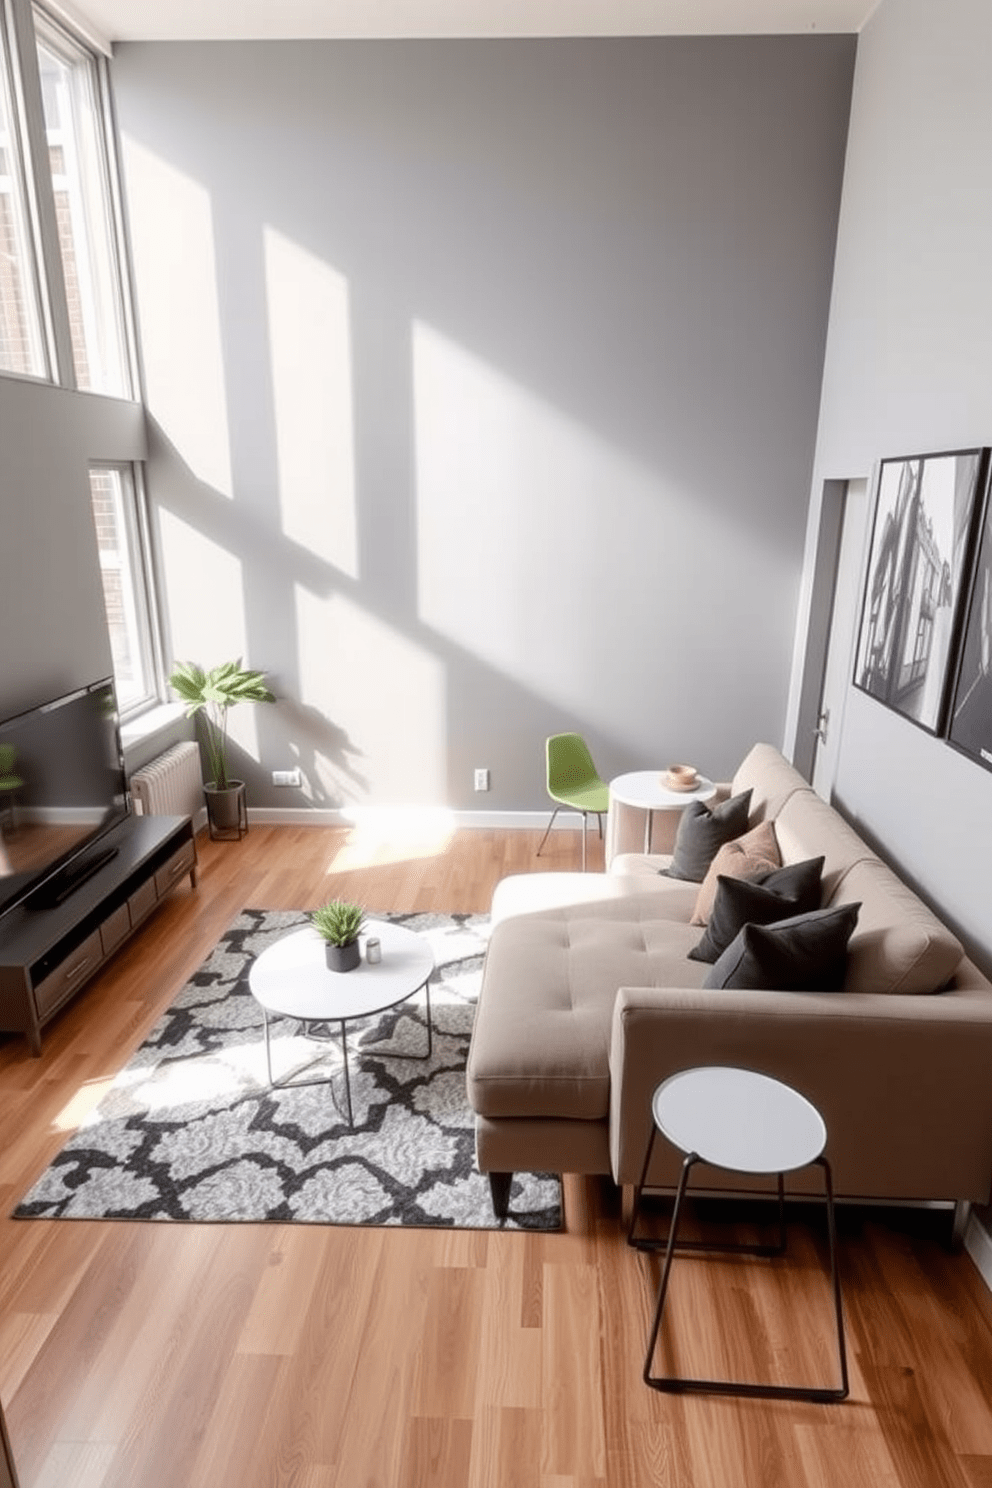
x: 190, y: 1130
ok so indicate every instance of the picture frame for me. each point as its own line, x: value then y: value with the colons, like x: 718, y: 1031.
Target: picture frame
x: 917, y: 574
x: 969, y: 728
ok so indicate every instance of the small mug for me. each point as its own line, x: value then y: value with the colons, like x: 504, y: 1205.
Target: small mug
x: 373, y: 950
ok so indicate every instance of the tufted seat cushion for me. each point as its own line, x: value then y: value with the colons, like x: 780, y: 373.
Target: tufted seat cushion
x: 542, y: 1029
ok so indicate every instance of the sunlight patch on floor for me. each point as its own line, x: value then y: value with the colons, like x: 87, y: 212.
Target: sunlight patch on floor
x: 393, y: 835
x: 86, y: 1099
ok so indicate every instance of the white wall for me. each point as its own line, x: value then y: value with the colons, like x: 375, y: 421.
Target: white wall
x: 909, y: 368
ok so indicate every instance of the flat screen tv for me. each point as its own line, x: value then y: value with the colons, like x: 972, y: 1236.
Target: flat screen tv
x: 62, y: 789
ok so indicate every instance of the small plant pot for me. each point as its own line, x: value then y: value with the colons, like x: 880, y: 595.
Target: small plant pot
x: 227, y: 811
x: 343, y: 957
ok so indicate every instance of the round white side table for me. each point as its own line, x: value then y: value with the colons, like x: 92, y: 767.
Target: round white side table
x: 291, y: 980
x: 744, y: 1122
x: 646, y: 790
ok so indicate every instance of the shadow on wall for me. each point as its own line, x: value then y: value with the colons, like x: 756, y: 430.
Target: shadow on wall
x: 230, y: 575
x: 473, y: 422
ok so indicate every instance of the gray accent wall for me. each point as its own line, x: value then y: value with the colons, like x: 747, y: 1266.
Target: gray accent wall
x: 482, y: 382
x: 908, y: 369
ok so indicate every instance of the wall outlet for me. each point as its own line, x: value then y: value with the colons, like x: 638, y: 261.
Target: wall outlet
x: 482, y: 779
x: 286, y: 777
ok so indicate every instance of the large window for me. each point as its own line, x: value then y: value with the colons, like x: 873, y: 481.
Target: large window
x: 22, y: 347
x: 79, y: 163
x: 118, y: 514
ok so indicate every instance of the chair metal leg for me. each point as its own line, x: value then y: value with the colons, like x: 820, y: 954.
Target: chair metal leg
x: 549, y: 826
x: 585, y: 824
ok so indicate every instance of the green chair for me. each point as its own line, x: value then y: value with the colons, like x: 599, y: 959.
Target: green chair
x: 574, y: 784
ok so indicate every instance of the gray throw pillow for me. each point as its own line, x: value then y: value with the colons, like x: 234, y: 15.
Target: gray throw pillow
x: 806, y: 953
x: 702, y: 832
x: 740, y: 901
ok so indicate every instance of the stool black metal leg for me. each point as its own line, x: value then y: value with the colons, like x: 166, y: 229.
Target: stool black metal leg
x: 666, y: 1270
x: 638, y: 1191
x: 676, y: 1384
x: 828, y: 1186
x: 642, y: 1242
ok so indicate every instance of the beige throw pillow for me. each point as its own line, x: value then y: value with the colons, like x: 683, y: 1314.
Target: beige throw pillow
x: 756, y: 852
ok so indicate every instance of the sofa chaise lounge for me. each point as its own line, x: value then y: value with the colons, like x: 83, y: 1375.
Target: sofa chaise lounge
x: 589, y: 999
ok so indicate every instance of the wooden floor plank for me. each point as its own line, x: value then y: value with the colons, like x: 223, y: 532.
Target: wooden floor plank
x: 325, y: 1357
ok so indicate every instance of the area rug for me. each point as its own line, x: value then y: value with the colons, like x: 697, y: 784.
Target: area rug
x: 190, y: 1129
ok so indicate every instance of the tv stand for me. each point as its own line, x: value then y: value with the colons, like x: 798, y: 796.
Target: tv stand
x: 48, y: 953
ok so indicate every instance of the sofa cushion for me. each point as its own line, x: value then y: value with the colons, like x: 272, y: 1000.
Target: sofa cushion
x: 746, y: 857
x: 777, y: 895
x: 541, y: 1039
x: 806, y: 953
x: 899, y: 945
x: 807, y: 826
x: 771, y: 780
x: 702, y: 832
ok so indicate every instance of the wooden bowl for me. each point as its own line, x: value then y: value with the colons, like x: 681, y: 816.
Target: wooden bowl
x: 681, y: 777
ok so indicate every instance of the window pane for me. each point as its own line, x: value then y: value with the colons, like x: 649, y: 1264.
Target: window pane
x: 21, y: 344
x: 78, y: 162
x: 125, y: 591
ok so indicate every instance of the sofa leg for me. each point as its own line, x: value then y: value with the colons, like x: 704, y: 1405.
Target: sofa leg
x: 499, y: 1188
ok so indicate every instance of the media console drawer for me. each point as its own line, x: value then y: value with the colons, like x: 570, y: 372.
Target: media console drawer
x: 54, y: 990
x: 167, y: 877
x: 142, y: 902
x: 115, y: 928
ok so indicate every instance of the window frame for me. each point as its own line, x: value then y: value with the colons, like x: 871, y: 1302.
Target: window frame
x: 53, y: 34
x: 22, y: 173
x: 143, y: 594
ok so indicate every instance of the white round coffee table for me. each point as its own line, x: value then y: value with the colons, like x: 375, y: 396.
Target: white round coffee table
x: 647, y: 790
x: 291, y: 980
x: 748, y: 1123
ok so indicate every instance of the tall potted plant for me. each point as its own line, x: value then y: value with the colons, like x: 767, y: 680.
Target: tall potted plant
x: 212, y: 694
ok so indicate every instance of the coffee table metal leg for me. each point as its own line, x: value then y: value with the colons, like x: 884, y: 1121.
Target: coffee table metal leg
x: 292, y: 1081
x: 387, y: 1052
x: 347, y: 1078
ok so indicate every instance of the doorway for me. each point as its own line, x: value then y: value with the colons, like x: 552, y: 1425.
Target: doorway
x: 834, y: 608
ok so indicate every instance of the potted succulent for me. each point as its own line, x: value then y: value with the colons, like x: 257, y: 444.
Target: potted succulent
x: 212, y: 694
x: 339, y: 923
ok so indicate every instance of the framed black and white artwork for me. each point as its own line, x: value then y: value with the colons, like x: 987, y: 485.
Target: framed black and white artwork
x: 970, y: 725
x: 917, y: 573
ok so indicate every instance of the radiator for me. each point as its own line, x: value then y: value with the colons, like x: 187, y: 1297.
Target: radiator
x: 170, y: 785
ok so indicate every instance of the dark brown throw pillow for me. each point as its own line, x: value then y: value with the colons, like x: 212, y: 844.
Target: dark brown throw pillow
x: 806, y: 953
x: 702, y: 832
x: 749, y: 856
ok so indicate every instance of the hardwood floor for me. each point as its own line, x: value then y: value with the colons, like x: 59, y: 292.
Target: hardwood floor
x: 174, y: 1356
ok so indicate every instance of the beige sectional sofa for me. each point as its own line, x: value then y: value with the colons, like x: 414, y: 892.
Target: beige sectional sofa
x: 588, y: 1000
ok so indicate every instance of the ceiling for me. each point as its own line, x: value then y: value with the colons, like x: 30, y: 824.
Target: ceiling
x: 158, y: 20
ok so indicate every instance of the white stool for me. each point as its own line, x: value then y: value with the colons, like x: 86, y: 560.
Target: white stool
x: 746, y: 1123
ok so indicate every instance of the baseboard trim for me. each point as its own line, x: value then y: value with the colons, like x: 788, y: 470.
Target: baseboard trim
x: 978, y: 1244
x: 409, y: 816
